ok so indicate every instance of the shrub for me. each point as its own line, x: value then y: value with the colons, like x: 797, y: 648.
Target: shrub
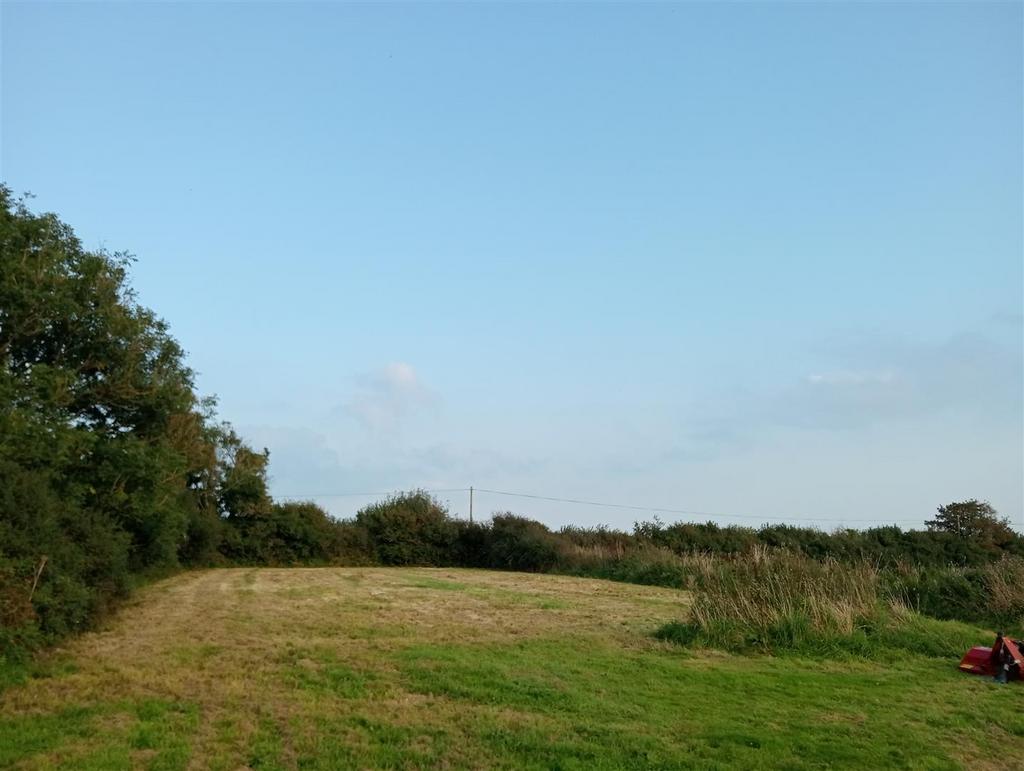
x: 518, y: 543
x: 471, y: 546
x: 409, y: 529
x: 352, y: 545
x: 296, y: 533
x: 204, y: 534
x: 18, y: 620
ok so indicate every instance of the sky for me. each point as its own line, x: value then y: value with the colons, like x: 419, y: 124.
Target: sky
x: 762, y: 262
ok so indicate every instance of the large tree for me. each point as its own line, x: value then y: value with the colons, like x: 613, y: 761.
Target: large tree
x: 974, y: 520
x: 108, y: 462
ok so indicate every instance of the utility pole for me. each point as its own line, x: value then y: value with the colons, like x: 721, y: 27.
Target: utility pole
x: 471, y: 504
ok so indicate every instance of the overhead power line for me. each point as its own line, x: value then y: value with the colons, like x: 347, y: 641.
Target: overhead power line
x: 372, y: 495
x: 685, y: 512
x: 607, y: 505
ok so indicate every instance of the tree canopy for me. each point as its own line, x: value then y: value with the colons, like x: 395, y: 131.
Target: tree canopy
x: 975, y: 521
x: 110, y: 464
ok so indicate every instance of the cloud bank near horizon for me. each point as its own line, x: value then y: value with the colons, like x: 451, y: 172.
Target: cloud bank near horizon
x: 947, y: 411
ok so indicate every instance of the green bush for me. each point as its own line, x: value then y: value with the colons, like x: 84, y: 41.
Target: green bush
x: 296, y: 533
x: 19, y: 628
x: 352, y: 545
x: 409, y: 529
x: 471, y: 545
x: 518, y: 543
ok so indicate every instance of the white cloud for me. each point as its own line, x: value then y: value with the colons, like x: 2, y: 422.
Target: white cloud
x: 385, y: 398
x: 863, y: 382
x: 890, y: 379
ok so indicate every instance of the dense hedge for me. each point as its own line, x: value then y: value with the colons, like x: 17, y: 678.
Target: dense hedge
x: 888, y: 545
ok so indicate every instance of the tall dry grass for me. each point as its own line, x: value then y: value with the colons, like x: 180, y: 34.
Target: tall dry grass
x: 1004, y: 582
x: 777, y: 601
x: 766, y: 591
x: 774, y: 598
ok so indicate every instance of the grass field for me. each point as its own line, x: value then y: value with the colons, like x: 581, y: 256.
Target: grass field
x: 418, y: 668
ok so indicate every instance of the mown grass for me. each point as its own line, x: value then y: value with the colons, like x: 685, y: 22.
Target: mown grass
x: 615, y: 709
x: 151, y: 733
x: 395, y: 668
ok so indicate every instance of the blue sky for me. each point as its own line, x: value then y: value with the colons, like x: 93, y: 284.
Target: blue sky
x: 759, y: 260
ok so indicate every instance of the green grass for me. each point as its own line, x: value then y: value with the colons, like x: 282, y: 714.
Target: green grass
x: 321, y: 671
x: 228, y: 669
x: 12, y: 672
x: 19, y: 669
x: 266, y: 746
x: 102, y: 736
x: 618, y: 709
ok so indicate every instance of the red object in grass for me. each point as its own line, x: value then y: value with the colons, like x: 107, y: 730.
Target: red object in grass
x: 1004, y: 657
